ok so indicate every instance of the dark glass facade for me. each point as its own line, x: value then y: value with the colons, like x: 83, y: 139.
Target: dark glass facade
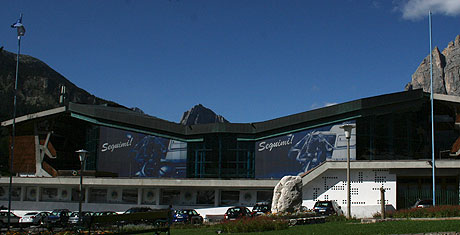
x: 220, y: 156
x: 394, y: 136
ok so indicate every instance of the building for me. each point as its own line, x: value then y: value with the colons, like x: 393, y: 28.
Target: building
x: 137, y: 160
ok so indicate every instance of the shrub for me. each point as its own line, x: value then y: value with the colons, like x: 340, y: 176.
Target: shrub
x: 430, y: 212
x: 257, y: 224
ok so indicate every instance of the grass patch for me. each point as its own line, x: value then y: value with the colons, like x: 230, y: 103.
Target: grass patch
x: 349, y: 227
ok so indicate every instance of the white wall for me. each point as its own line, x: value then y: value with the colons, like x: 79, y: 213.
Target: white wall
x: 365, y: 190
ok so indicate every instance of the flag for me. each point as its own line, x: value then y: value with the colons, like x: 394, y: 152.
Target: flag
x: 19, y: 26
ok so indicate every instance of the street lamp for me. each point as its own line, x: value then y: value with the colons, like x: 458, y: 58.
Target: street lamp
x: 347, y: 128
x: 21, y: 30
x: 82, y: 156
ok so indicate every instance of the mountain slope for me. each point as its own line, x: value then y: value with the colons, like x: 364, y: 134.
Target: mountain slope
x: 38, y: 87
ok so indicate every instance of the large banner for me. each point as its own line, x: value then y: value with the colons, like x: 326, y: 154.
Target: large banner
x: 296, y: 153
x: 131, y: 154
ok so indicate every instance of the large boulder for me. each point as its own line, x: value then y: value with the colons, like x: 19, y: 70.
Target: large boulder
x: 287, y: 196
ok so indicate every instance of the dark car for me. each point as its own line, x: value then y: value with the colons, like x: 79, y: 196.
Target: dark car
x: 187, y: 216
x: 58, y: 217
x: 138, y: 209
x: 102, y: 213
x: 261, y: 208
x: 327, y: 208
x: 423, y: 203
x: 39, y: 219
x: 14, y: 219
x: 237, y: 212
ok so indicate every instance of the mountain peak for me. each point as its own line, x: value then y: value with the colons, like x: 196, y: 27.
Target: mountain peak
x: 199, y: 114
x: 446, y: 65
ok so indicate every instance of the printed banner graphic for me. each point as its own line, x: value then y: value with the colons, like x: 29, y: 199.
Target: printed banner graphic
x: 131, y: 154
x: 296, y: 153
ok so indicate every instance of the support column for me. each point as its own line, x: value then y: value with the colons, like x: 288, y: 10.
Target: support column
x: 23, y: 193
x: 157, y: 196
x: 37, y: 198
x: 86, y: 191
x: 216, y: 197
x: 139, y: 196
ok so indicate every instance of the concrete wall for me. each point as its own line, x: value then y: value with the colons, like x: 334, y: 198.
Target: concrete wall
x: 365, y: 190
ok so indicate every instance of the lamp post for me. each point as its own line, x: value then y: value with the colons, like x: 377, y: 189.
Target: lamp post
x: 20, y: 32
x: 82, y: 156
x: 347, y: 128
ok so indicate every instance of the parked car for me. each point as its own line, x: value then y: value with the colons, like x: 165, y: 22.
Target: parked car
x: 261, y: 208
x: 14, y: 219
x: 138, y: 209
x: 58, y: 217
x: 327, y: 208
x: 237, y: 212
x: 28, y: 218
x: 423, y: 203
x: 187, y: 216
x: 39, y: 219
x: 102, y: 213
x: 86, y: 217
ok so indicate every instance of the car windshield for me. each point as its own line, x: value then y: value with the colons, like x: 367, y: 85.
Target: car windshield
x: 31, y: 213
x: 323, y: 204
x: 261, y: 208
x: 236, y: 209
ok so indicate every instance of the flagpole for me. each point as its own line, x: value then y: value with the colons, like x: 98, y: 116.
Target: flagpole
x: 14, y: 127
x: 433, y: 166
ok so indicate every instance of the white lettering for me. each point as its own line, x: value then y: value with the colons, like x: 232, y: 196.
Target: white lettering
x: 276, y: 144
x: 112, y: 147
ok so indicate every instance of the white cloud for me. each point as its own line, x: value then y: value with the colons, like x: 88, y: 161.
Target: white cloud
x: 329, y: 104
x: 417, y: 9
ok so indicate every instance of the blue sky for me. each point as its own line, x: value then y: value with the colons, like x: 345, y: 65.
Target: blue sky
x: 248, y: 60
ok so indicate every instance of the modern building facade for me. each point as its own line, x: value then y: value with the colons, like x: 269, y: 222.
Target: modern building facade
x: 135, y: 159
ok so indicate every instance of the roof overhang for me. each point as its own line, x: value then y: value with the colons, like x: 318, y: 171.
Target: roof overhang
x: 28, y: 117
x: 369, y: 165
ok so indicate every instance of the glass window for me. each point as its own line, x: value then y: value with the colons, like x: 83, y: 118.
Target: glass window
x: 129, y: 196
x: 170, y: 197
x: 76, y: 195
x: 205, y: 197
x: 49, y: 194
x: 149, y: 196
x: 97, y: 195
x: 229, y: 198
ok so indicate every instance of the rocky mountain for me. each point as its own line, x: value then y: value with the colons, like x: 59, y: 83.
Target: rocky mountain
x: 446, y: 71
x: 201, y: 115
x: 39, y: 87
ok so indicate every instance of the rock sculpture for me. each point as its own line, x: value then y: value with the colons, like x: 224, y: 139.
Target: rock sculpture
x: 287, y: 196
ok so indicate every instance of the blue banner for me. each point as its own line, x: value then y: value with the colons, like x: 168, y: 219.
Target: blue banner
x: 296, y: 153
x: 131, y: 154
